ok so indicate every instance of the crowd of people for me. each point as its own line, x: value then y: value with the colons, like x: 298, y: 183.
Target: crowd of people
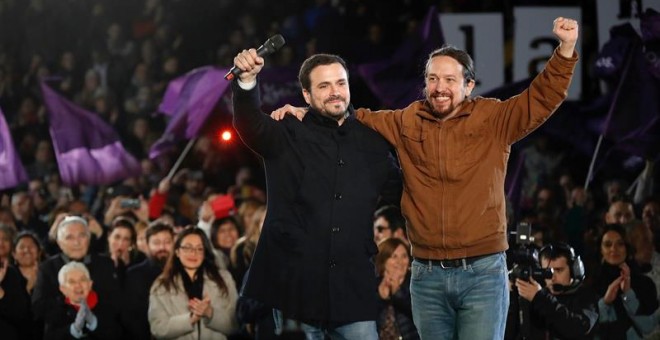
x: 167, y: 257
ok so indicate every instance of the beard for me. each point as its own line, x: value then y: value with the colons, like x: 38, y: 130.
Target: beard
x: 161, y: 258
x: 336, y: 110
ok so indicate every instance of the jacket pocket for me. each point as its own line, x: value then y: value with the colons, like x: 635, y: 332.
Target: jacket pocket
x: 413, y: 143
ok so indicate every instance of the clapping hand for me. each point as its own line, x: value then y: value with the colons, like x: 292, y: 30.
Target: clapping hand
x: 391, y: 282
x: 200, y: 308
x: 79, y: 322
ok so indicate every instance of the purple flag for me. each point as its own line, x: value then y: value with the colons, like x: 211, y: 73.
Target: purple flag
x: 189, y: 100
x: 12, y: 172
x: 635, y: 105
x: 88, y: 150
x: 397, y: 82
x: 171, y: 96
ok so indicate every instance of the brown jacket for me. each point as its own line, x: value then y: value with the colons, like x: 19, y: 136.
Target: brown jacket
x: 454, y: 170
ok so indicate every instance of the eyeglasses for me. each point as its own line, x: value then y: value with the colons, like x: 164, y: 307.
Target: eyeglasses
x: 192, y: 250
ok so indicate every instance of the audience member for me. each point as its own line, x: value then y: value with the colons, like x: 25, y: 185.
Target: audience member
x: 79, y: 312
x: 193, y: 298
x: 139, y: 278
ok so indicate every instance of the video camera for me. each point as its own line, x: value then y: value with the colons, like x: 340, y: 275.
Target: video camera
x: 525, y: 256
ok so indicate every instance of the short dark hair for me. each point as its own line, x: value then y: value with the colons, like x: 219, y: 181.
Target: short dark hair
x: 157, y: 227
x: 392, y: 214
x: 459, y: 55
x: 314, y: 61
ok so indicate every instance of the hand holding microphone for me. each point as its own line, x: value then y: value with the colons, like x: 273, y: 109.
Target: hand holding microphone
x: 249, y: 63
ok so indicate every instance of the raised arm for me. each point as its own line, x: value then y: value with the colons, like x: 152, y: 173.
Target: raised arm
x: 521, y: 114
x: 257, y: 130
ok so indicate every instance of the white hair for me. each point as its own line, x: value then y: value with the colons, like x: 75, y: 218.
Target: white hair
x: 61, y: 228
x: 67, y: 268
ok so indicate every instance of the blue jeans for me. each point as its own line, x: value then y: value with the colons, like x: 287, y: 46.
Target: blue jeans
x: 361, y: 330
x: 469, y: 302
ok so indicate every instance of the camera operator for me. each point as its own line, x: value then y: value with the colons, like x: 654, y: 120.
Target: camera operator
x: 565, y: 308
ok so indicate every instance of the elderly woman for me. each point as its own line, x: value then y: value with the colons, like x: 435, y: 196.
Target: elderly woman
x: 192, y: 299
x: 394, y: 308
x: 79, y: 311
x: 628, y: 299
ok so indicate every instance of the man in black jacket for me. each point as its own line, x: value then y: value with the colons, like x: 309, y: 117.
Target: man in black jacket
x: 565, y: 308
x: 325, y: 176
x: 139, y: 278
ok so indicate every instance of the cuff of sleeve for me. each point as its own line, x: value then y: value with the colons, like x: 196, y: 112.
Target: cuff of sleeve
x: 92, y: 322
x: 627, y: 296
x: 75, y: 332
x: 246, y: 86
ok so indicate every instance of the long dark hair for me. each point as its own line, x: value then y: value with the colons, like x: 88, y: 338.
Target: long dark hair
x: 174, y: 268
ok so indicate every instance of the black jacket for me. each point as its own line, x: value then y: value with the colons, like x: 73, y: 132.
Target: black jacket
x: 14, y: 307
x: 59, y: 318
x: 402, y: 311
x: 314, y: 257
x: 139, y: 279
x: 102, y: 271
x: 572, y: 315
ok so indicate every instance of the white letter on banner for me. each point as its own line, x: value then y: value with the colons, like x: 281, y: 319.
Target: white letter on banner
x: 482, y: 36
x: 534, y: 42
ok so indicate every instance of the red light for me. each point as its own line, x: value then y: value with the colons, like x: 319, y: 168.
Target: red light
x: 225, y: 135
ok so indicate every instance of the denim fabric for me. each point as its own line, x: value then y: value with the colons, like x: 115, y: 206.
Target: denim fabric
x: 362, y: 330
x: 468, y: 302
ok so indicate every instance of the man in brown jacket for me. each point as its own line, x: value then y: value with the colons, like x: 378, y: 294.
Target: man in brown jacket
x: 453, y: 151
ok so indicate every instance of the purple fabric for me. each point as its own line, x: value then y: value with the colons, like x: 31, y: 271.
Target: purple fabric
x: 12, y: 172
x: 650, y: 25
x: 513, y: 183
x: 88, y: 150
x: 635, y: 104
x: 398, y: 81
x: 199, y: 92
x: 171, y: 96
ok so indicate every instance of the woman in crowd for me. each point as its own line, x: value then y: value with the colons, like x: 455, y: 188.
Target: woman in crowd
x: 394, y: 310
x: 224, y: 234
x: 122, y: 246
x: 193, y: 298
x: 28, y: 253
x: 241, y: 253
x: 79, y: 312
x: 628, y: 299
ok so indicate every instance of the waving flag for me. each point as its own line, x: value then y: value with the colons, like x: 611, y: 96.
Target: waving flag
x: 189, y: 100
x: 12, y: 172
x: 88, y: 150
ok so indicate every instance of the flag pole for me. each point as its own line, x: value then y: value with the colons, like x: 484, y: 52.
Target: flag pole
x: 593, y: 162
x: 615, y: 99
x: 182, y: 156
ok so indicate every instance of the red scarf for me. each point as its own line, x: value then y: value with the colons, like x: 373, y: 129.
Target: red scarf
x: 92, y: 300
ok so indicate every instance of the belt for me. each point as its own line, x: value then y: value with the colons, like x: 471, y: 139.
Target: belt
x: 453, y: 263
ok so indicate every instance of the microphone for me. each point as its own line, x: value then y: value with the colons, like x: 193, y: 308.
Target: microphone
x: 271, y: 45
